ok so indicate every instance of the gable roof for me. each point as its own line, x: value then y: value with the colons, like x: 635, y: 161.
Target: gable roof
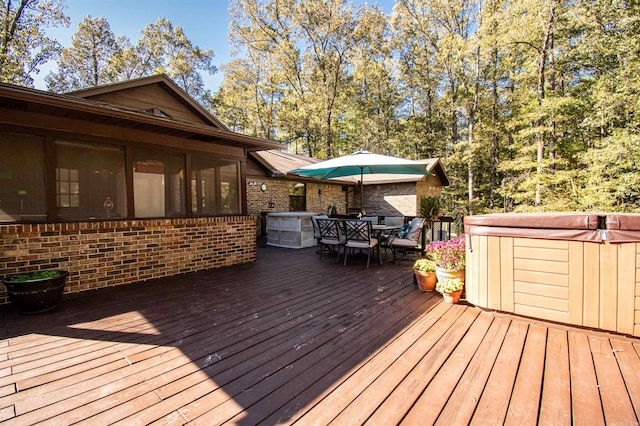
x: 161, y: 80
x: 277, y: 163
x: 18, y: 98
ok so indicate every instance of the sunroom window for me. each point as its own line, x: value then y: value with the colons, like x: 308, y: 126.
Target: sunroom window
x: 158, y: 184
x: 22, y: 178
x: 90, y: 181
x: 215, y: 186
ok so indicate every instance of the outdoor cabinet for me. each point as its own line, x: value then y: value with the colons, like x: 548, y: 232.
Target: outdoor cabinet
x: 290, y: 230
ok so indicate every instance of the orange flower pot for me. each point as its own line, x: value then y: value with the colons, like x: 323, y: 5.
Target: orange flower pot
x: 426, y: 280
x: 452, y: 298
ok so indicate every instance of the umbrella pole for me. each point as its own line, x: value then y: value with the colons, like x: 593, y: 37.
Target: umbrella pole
x: 361, y: 190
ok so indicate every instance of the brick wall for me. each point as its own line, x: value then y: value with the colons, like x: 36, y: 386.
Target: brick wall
x: 278, y: 192
x: 328, y: 193
x: 384, y: 200
x: 104, y: 254
x: 396, y: 199
x: 258, y: 200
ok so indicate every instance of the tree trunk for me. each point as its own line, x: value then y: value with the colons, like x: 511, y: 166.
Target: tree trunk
x: 494, y: 134
x: 541, y: 82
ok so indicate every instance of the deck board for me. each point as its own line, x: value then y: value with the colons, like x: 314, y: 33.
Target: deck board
x: 629, y: 364
x: 525, y: 399
x: 555, y: 407
x: 494, y: 402
x: 463, y: 401
x: 435, y: 396
x: 294, y: 339
x: 585, y: 396
x: 614, y: 394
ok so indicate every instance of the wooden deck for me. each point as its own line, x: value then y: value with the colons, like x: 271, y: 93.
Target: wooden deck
x: 291, y: 339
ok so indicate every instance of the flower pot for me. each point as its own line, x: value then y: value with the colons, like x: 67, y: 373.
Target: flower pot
x: 426, y: 280
x: 452, y: 298
x: 444, y: 274
x: 32, y: 296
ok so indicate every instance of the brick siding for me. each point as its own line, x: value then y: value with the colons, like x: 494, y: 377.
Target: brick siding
x: 384, y: 200
x: 397, y: 199
x: 278, y: 192
x: 328, y: 194
x: 105, y: 254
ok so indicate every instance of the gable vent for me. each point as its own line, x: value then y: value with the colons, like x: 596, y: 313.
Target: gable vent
x: 158, y: 112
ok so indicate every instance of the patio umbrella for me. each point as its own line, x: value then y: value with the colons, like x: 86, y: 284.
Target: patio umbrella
x: 361, y: 163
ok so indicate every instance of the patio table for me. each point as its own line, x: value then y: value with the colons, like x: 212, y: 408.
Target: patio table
x: 380, y: 228
x: 387, y: 230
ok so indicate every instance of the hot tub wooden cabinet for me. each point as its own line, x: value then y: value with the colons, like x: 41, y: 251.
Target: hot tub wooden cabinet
x: 575, y: 268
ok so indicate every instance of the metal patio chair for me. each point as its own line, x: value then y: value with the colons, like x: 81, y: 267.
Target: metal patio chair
x: 331, y: 236
x: 408, y: 242
x: 358, y: 233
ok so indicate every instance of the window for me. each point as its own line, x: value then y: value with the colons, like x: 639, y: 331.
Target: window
x: 230, y: 188
x: 297, y: 199
x: 68, y: 187
x: 22, y: 178
x: 90, y: 181
x: 215, y: 186
x: 158, y: 184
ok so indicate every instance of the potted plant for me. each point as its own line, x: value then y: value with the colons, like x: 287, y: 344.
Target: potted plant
x: 36, y: 291
x: 425, y: 273
x: 333, y: 207
x: 449, y: 257
x: 430, y: 209
x: 451, y: 289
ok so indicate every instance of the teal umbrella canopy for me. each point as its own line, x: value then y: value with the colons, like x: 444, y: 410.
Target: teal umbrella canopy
x: 362, y: 163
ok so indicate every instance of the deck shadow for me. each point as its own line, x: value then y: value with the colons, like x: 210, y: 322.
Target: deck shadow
x: 249, y: 343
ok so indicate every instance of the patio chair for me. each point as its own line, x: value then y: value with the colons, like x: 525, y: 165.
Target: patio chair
x: 394, y: 220
x: 331, y: 236
x: 373, y: 219
x: 316, y: 229
x: 390, y: 221
x: 358, y: 233
x: 408, y: 242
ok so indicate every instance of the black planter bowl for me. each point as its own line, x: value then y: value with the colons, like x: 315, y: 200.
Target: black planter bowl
x: 32, y: 296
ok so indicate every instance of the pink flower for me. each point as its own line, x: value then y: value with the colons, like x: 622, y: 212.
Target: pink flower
x: 448, y: 255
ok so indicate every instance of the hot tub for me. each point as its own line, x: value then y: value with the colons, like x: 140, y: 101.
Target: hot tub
x: 575, y: 268
x: 290, y: 229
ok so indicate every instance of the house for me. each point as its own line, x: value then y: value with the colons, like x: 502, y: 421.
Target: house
x: 271, y: 189
x: 120, y: 183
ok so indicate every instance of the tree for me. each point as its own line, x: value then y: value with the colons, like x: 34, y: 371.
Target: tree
x: 85, y: 63
x: 267, y: 35
x: 442, y: 53
x: 532, y: 105
x: 606, y: 57
x: 373, y: 96
x: 164, y: 48
x: 538, y: 172
x: 96, y: 57
x: 308, y: 51
x: 24, y: 47
x: 246, y: 99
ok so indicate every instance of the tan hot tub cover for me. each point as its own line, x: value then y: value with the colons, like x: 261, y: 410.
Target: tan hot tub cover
x: 550, y: 226
x: 574, y: 226
x: 622, y: 228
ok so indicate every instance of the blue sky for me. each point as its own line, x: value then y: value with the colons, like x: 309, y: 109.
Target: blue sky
x: 205, y: 22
